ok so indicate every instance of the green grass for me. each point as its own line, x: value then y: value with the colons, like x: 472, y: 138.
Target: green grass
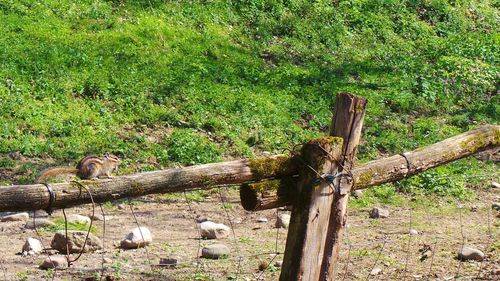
x: 59, y: 224
x: 162, y: 83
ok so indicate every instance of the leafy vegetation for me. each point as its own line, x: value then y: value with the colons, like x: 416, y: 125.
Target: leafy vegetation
x: 166, y: 82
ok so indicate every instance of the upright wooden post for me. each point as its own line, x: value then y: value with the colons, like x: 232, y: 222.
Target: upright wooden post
x: 347, y: 123
x: 318, y: 215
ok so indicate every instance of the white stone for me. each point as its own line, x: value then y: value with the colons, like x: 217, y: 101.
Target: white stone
x: 215, y: 251
x: 78, y: 219
x: 262, y: 220
x: 32, y: 246
x: 39, y: 223
x: 413, y: 232
x: 137, y: 237
x: 212, y: 230
x: 375, y: 271
x: 469, y: 253
x: 16, y: 217
x: 283, y: 221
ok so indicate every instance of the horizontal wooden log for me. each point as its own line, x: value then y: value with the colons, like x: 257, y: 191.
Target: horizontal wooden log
x: 273, y: 194
x: 36, y: 196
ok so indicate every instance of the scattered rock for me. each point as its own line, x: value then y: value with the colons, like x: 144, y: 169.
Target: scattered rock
x: 16, y: 156
x: 121, y: 207
x: 168, y: 262
x: 278, y: 264
x: 262, y: 220
x: 215, y: 251
x: 38, y: 223
x: 357, y: 193
x: 76, y: 240
x: 16, y: 217
x: 137, y: 237
x: 496, y: 206
x: 495, y: 184
x: 376, y: 213
x: 32, y: 246
x: 200, y: 219
x: 469, y: 253
x: 413, y: 232
x: 107, y: 260
x: 100, y: 217
x: 496, y: 270
x: 212, y: 230
x: 376, y: 271
x: 238, y: 220
x: 56, y: 261
x: 79, y: 219
x: 283, y: 221
x: 39, y: 214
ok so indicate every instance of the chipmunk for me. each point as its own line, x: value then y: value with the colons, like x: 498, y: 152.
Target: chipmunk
x: 90, y: 167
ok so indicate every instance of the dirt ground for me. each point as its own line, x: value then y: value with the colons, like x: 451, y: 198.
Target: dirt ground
x: 368, y: 243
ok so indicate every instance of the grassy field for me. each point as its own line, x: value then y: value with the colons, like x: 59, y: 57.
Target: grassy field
x: 162, y: 83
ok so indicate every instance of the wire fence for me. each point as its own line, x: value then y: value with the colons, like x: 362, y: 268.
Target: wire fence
x: 414, y: 243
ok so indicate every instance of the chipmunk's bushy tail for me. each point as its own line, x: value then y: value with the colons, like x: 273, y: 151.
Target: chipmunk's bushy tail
x: 54, y: 172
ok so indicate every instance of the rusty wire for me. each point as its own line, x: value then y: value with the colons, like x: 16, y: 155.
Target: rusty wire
x: 199, y: 234
x: 232, y: 230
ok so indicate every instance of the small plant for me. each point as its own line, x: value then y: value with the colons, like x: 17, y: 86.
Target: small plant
x: 201, y: 276
x: 22, y: 275
x: 59, y: 224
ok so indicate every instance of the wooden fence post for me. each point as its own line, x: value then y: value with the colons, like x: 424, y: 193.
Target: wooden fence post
x: 347, y: 123
x: 318, y: 215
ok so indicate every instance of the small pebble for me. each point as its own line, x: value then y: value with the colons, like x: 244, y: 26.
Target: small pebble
x: 375, y: 271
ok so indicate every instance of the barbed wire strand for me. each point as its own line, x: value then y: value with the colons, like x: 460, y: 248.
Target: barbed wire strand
x: 233, y: 232
x: 103, y: 240
x: 349, y: 249
x: 276, y: 253
x: 3, y: 270
x: 488, y: 244
x: 376, y: 260
x: 433, y: 249
x: 408, y: 247
x: 44, y: 249
x: 463, y: 242
x: 66, y: 236
x: 199, y: 234
x: 90, y: 226
x: 140, y: 231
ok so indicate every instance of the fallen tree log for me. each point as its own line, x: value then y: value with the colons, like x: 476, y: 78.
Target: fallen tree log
x: 278, y: 193
x: 36, y: 196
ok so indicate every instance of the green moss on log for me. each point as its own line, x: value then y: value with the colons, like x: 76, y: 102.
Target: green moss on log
x: 479, y: 141
x: 364, y: 180
x: 263, y: 168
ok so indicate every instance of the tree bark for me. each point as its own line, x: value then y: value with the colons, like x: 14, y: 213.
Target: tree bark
x: 307, y: 231
x: 36, y: 196
x: 347, y: 123
x: 272, y: 194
